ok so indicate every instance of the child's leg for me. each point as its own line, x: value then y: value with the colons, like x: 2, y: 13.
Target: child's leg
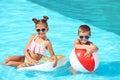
x: 14, y: 60
x: 72, y: 70
x: 14, y: 63
x: 25, y: 64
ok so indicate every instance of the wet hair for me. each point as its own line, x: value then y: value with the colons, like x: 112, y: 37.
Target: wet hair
x: 41, y: 21
x: 84, y: 28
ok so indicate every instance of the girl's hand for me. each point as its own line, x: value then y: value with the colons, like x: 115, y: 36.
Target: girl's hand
x: 32, y: 61
x: 55, y: 61
x: 49, y: 47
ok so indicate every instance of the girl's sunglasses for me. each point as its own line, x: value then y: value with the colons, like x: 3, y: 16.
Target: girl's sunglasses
x: 42, y: 29
x: 84, y: 37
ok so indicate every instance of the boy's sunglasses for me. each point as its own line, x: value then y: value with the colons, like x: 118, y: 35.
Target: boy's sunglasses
x: 84, y: 37
x: 42, y: 29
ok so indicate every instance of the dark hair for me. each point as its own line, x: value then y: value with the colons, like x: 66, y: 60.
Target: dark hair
x: 84, y: 28
x: 41, y: 21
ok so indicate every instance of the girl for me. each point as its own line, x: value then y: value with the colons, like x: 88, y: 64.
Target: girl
x: 36, y: 47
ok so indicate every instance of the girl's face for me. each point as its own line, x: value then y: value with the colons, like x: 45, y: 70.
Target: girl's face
x: 41, y: 29
x: 84, y: 36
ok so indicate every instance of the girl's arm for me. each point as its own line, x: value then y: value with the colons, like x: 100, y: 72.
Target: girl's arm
x: 26, y: 48
x: 49, y: 47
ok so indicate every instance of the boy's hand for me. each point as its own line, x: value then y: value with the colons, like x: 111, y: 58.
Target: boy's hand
x: 87, y: 54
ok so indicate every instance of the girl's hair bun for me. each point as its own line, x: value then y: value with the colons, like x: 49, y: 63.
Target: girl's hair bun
x: 34, y: 20
x: 45, y: 18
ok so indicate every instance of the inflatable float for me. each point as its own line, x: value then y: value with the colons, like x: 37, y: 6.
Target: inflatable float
x: 81, y: 63
x: 46, y: 64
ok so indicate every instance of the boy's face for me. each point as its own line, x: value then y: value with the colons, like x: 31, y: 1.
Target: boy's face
x: 84, y: 36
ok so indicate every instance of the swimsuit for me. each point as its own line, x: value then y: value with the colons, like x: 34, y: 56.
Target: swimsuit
x: 37, y: 48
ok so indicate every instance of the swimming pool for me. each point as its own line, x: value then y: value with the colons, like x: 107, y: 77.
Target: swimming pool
x: 16, y: 27
x: 101, y: 13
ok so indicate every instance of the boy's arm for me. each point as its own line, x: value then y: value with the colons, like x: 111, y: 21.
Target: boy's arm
x: 77, y: 45
x: 91, y: 50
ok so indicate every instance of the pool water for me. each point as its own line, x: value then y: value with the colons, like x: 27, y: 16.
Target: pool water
x: 16, y: 27
x: 101, y: 13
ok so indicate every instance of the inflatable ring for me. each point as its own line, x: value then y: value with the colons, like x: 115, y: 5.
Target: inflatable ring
x: 46, y: 64
x: 50, y: 59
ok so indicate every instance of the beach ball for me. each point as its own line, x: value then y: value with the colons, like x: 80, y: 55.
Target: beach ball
x: 81, y: 63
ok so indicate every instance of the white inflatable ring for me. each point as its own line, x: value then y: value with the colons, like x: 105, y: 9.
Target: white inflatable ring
x: 46, y: 64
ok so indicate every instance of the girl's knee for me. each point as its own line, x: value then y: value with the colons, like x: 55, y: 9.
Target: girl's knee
x: 10, y: 63
x: 22, y: 58
x: 7, y: 59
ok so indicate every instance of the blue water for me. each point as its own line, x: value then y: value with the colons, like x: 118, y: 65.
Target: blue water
x: 101, y: 13
x: 16, y: 27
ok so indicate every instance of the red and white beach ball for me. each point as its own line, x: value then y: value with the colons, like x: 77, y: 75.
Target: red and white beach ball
x: 81, y: 63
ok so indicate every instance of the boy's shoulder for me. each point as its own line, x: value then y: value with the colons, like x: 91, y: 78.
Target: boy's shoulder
x: 76, y: 40
x: 89, y: 43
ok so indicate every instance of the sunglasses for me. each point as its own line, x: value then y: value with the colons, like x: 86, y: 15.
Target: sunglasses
x: 84, y: 37
x: 42, y: 29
